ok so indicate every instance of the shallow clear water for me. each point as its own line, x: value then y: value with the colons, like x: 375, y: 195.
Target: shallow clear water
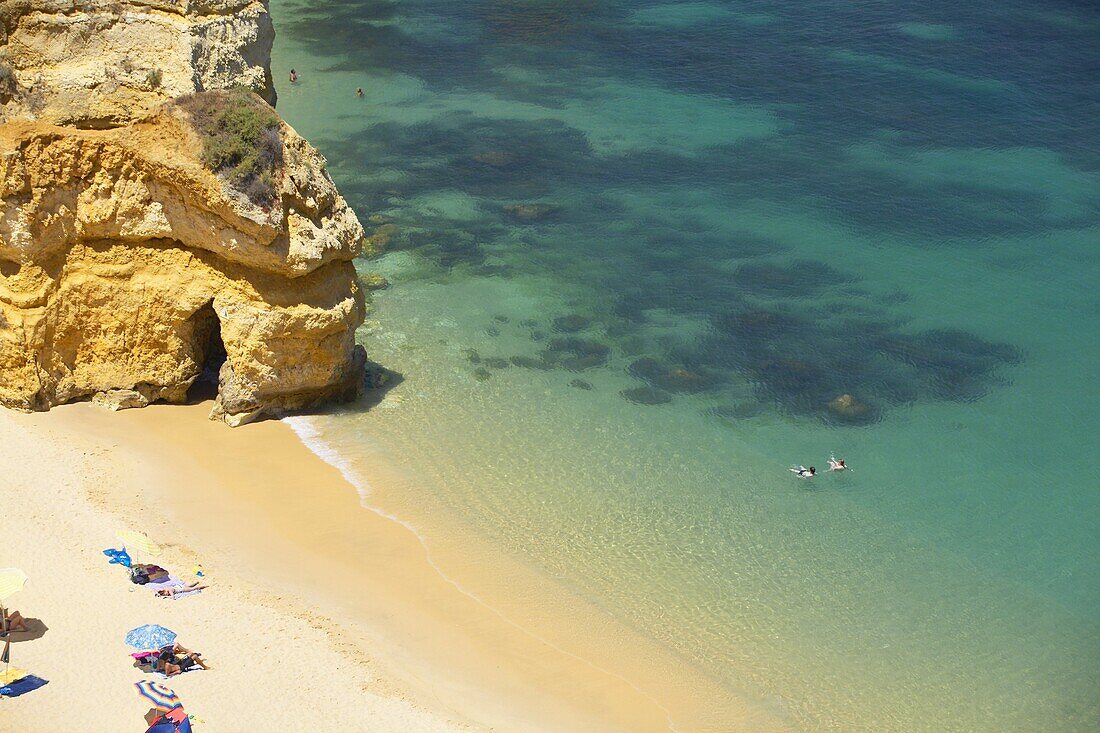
x: 642, y: 248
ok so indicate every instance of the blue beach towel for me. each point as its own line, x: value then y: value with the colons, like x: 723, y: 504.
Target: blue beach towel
x: 22, y: 686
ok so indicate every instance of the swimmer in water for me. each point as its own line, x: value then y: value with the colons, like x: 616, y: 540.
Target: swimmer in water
x: 836, y: 464
x: 359, y: 92
x: 803, y: 472
x: 293, y: 76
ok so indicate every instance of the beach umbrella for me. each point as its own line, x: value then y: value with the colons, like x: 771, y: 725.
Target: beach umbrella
x: 12, y: 581
x: 164, y: 724
x: 162, y: 698
x: 139, y: 541
x: 150, y: 636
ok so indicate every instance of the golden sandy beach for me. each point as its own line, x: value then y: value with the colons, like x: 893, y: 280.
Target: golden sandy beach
x: 322, y: 613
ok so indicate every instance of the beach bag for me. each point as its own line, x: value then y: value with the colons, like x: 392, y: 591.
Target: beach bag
x: 139, y: 576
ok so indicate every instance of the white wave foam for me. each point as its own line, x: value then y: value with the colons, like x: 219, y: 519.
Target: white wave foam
x: 307, y: 431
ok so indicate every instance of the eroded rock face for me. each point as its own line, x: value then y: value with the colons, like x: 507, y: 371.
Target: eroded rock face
x: 104, y: 63
x: 127, y: 267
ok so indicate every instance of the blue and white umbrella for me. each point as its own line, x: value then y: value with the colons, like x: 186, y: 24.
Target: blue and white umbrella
x: 150, y: 636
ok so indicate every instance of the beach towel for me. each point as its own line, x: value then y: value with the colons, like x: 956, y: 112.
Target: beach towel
x: 12, y: 674
x: 170, y: 582
x: 164, y: 675
x: 30, y: 683
x: 185, y: 594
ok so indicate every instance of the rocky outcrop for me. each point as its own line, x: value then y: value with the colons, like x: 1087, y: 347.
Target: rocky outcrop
x: 140, y: 261
x: 128, y: 268
x: 105, y: 63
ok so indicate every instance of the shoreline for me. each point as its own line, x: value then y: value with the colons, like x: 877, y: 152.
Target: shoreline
x: 452, y: 632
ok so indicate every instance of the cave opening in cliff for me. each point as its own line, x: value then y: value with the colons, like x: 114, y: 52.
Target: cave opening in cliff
x: 209, y: 353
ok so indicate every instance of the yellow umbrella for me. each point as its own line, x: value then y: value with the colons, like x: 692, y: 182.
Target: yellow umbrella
x: 12, y: 580
x: 139, y: 541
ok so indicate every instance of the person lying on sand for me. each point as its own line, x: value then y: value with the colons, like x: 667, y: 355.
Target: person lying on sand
x: 170, y: 591
x: 175, y: 659
x: 15, y: 622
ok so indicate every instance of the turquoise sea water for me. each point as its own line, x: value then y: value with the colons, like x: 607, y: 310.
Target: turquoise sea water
x: 641, y: 250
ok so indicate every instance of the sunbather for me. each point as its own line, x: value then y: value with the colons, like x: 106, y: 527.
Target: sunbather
x: 175, y: 659
x: 15, y: 622
x: 168, y: 591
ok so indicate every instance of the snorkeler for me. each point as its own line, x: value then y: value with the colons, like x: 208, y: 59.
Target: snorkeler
x: 836, y: 464
x: 293, y: 76
x: 803, y: 472
x: 359, y: 92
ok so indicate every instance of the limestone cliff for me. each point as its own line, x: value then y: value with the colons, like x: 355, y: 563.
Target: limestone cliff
x: 104, y: 63
x: 123, y: 259
x: 142, y: 256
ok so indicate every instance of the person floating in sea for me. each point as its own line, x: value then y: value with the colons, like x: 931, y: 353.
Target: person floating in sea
x: 836, y: 464
x: 359, y: 92
x: 293, y: 76
x: 803, y: 472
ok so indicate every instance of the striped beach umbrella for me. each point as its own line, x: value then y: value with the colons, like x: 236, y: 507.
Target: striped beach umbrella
x: 150, y: 636
x: 162, y: 698
x: 12, y: 581
x: 134, y: 540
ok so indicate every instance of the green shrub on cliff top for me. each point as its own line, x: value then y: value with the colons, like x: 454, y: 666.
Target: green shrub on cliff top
x: 240, y: 136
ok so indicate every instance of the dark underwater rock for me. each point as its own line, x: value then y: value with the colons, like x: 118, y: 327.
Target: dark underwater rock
x: 646, y: 396
x: 529, y: 362
x: 797, y: 279
x: 576, y: 354
x: 373, y: 281
x: 670, y: 378
x: 482, y: 374
x: 472, y: 356
x: 571, y: 323
x: 496, y: 362
x: 529, y: 213
x: 495, y: 158
x: 848, y: 409
x: 581, y: 384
